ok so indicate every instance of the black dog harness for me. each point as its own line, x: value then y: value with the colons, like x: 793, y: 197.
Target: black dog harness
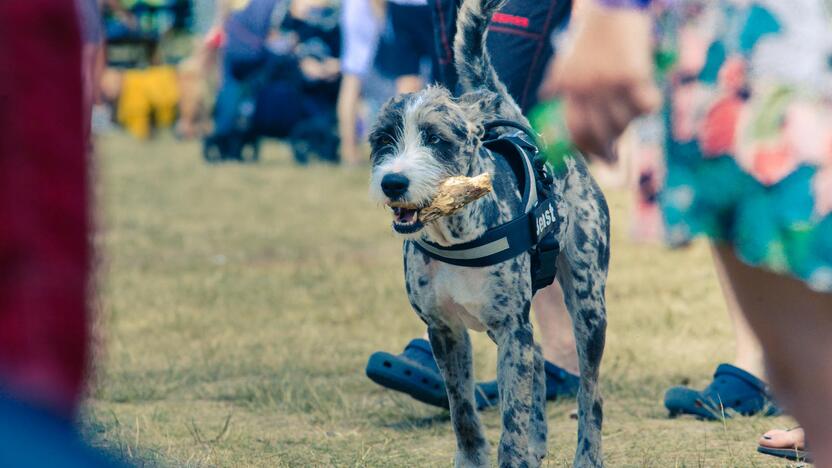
x: 532, y: 232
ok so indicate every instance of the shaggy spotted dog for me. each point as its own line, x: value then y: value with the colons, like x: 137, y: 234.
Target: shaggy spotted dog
x: 421, y: 139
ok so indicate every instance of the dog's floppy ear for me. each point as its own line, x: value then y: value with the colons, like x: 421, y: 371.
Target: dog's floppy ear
x: 479, y: 107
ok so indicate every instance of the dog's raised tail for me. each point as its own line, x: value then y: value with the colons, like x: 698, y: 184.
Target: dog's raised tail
x: 471, y: 58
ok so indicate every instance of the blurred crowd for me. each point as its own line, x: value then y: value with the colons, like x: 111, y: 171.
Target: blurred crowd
x: 231, y: 72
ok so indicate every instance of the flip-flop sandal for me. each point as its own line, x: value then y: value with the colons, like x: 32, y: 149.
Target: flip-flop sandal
x: 793, y: 454
x: 413, y: 372
x: 733, y: 390
x: 559, y: 384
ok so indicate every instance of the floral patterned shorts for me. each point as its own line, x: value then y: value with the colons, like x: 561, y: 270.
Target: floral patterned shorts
x: 748, y: 132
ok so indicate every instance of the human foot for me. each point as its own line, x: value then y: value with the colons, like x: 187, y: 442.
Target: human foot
x: 788, y: 443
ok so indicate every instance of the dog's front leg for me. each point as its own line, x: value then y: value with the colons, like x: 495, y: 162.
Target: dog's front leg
x: 515, y: 373
x: 452, y: 349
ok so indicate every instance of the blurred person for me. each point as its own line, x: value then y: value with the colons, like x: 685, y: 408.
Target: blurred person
x: 44, y: 240
x: 520, y: 40
x: 520, y: 47
x: 244, y: 37
x: 314, y: 24
x: 147, y: 100
x: 408, y: 44
x: 119, y: 21
x: 748, y: 158
x: 198, y: 74
x: 138, y: 19
x: 361, y: 23
x: 93, y: 63
x: 738, y: 387
x: 280, y: 79
x: 144, y: 99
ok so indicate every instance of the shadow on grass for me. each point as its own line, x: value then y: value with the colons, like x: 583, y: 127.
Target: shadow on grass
x: 408, y: 424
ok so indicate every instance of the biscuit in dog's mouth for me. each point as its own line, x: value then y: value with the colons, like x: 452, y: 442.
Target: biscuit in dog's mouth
x: 452, y: 195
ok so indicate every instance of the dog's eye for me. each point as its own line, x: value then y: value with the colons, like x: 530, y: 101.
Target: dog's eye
x: 383, y: 140
x: 434, y: 139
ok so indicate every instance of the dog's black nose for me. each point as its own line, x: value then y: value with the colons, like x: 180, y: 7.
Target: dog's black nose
x: 394, y: 185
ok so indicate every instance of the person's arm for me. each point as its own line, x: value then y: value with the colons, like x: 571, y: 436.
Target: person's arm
x: 605, y: 72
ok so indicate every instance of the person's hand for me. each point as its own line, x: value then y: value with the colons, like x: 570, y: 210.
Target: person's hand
x: 604, y: 76
x: 311, y: 69
x: 316, y: 70
x: 331, y: 68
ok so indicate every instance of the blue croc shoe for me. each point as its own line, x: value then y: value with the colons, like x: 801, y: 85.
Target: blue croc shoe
x: 413, y: 372
x: 733, y: 391
x: 559, y: 384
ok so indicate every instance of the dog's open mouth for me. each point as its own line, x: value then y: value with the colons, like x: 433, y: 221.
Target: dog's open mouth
x: 406, y: 217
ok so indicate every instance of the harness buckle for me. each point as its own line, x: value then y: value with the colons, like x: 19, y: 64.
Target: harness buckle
x: 545, y: 252
x: 543, y: 265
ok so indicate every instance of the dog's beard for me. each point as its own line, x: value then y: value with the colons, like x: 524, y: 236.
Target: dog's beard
x: 424, y: 173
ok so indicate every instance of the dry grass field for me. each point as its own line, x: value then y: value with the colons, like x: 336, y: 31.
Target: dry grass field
x: 238, y: 305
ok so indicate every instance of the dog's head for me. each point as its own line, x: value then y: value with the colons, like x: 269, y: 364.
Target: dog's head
x: 419, y: 140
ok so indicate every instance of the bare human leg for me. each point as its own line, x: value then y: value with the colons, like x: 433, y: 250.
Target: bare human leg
x: 557, y: 339
x: 794, y: 325
x: 348, y: 99
x: 748, y: 353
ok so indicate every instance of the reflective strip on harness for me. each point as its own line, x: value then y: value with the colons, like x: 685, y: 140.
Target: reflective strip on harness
x: 473, y: 253
x: 496, y: 245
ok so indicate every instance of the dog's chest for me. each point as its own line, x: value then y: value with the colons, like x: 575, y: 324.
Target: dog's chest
x: 461, y: 293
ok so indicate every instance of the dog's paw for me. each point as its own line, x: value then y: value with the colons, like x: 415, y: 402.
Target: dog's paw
x: 537, y: 452
x: 478, y: 459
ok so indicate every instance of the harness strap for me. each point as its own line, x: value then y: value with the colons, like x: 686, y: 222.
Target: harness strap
x: 496, y: 245
x: 532, y: 232
x: 492, y: 124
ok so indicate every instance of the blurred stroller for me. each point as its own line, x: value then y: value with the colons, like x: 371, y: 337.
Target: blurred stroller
x: 280, y: 85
